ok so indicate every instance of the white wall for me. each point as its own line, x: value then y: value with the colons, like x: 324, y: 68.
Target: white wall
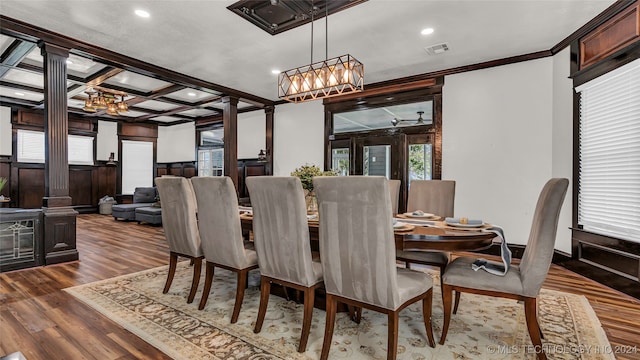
x: 251, y: 134
x: 107, y: 140
x: 176, y: 143
x: 298, y: 136
x: 562, y: 143
x: 5, y: 130
x: 498, y: 141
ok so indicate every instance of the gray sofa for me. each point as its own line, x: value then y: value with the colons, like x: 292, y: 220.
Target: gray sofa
x: 142, y: 197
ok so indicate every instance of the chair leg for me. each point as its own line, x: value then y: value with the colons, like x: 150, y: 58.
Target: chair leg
x: 446, y: 299
x: 455, y: 306
x: 530, y: 314
x: 427, y: 303
x: 265, y: 288
x: 306, y: 319
x: 355, y: 313
x: 242, y: 280
x: 191, y: 262
x: 173, y: 261
x: 197, y: 268
x: 331, y: 308
x: 392, y: 342
x: 208, y: 279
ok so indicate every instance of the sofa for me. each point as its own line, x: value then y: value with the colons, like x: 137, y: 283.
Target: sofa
x: 142, y: 197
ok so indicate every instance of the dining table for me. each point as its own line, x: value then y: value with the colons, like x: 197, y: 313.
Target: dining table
x: 421, y: 235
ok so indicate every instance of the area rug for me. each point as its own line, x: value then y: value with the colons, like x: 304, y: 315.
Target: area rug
x: 484, y: 327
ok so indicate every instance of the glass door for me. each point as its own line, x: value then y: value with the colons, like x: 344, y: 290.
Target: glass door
x: 380, y: 155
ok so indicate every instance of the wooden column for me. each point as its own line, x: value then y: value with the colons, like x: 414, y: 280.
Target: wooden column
x: 59, y: 217
x: 230, y: 123
x: 269, y: 110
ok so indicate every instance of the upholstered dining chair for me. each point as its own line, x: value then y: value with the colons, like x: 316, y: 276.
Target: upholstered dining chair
x: 394, y: 192
x: 180, y: 226
x: 358, y: 255
x: 522, y: 282
x: 281, y: 237
x: 221, y: 234
x: 436, y: 197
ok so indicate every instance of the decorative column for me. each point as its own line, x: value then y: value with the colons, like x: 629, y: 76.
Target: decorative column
x: 230, y: 124
x: 269, y: 110
x: 59, y: 216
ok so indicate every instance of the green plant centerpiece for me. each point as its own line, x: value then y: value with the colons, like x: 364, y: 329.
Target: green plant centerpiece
x: 306, y: 173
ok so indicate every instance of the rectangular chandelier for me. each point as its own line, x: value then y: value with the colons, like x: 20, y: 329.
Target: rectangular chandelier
x: 337, y: 76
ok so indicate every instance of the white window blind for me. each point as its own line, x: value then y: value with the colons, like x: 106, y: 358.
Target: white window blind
x: 137, y: 165
x: 80, y: 150
x: 609, y: 179
x: 30, y: 146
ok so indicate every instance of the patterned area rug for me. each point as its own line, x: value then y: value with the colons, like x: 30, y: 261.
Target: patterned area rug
x: 484, y: 328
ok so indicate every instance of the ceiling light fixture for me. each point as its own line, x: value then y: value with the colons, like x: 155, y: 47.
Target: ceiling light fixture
x: 419, y: 120
x: 19, y: 93
x: 275, y: 72
x: 427, y: 31
x: 337, y: 76
x: 191, y: 94
x: 142, y: 13
x: 102, y: 100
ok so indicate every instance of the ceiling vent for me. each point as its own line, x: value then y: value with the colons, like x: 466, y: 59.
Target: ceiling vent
x: 437, y: 49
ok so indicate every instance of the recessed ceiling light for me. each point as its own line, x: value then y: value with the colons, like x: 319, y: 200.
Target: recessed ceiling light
x: 142, y: 13
x: 191, y: 94
x: 426, y: 31
x: 275, y: 71
x: 69, y: 62
x: 19, y: 93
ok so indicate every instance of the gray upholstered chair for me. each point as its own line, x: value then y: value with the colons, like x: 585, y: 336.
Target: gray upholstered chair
x: 394, y: 192
x: 281, y: 237
x: 436, y: 197
x: 522, y: 282
x: 221, y: 234
x: 180, y: 227
x: 357, y: 249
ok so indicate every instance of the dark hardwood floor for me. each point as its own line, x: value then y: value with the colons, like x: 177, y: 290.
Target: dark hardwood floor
x: 43, y: 322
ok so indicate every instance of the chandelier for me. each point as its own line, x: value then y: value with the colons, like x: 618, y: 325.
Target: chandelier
x: 103, y: 100
x: 337, y: 76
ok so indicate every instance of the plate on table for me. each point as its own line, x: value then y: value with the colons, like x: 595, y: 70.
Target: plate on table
x: 400, y: 226
x: 465, y: 226
x: 420, y: 215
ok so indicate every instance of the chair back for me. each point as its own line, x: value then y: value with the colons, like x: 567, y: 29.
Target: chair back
x: 219, y: 221
x: 179, y: 215
x: 432, y: 196
x: 281, y: 229
x: 394, y: 192
x: 537, y: 257
x: 356, y: 239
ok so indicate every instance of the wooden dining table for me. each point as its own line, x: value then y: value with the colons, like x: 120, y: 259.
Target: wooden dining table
x: 436, y: 236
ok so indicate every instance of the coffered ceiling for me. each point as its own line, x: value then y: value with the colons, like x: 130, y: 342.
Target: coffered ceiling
x: 207, y: 41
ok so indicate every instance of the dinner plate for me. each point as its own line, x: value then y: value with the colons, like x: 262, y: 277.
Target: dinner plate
x: 455, y: 224
x: 400, y: 226
x: 423, y: 216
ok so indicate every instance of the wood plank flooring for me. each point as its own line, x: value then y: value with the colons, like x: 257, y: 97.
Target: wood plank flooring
x: 44, y: 322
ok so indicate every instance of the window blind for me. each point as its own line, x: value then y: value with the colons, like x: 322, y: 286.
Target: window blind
x: 30, y: 146
x: 80, y: 150
x: 137, y: 165
x: 609, y: 178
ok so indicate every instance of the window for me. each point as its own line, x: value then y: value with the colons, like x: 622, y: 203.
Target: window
x: 609, y: 151
x: 340, y: 161
x: 137, y: 165
x: 31, y: 148
x: 211, y: 162
x: 420, y: 161
x: 80, y: 150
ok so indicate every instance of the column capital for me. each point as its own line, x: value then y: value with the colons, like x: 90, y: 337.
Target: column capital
x: 52, y: 49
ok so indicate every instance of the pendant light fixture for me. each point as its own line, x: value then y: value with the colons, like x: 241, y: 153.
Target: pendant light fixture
x: 331, y: 77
